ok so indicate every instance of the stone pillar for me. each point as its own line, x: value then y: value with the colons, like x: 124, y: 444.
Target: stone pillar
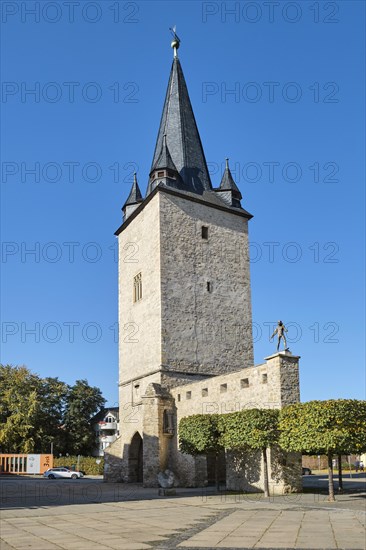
x: 157, y: 438
x: 285, y: 468
x: 286, y: 367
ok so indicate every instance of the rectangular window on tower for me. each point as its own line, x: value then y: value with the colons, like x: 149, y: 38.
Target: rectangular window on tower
x: 137, y: 287
x: 204, y: 232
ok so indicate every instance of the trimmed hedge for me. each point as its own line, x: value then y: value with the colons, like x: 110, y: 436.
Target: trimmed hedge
x: 87, y: 464
x: 199, y: 434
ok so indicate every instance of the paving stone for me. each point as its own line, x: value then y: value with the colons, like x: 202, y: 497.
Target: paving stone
x: 187, y: 522
x: 237, y: 542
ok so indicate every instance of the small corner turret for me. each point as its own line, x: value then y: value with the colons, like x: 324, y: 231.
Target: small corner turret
x: 133, y: 200
x: 228, y: 190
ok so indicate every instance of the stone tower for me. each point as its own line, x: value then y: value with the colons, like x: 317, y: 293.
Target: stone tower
x: 184, y: 283
x: 184, y: 288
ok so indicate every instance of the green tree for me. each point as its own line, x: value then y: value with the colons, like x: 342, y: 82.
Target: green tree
x: 19, y: 408
x: 37, y: 413
x: 251, y: 429
x: 199, y: 435
x: 324, y: 427
x: 82, y: 402
x: 52, y: 395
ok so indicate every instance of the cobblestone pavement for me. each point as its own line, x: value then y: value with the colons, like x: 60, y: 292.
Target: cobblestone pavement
x: 83, y: 515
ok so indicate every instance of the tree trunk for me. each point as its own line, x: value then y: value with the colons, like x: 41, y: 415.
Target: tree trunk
x: 340, y: 475
x: 330, y: 478
x: 217, y: 481
x: 265, y: 465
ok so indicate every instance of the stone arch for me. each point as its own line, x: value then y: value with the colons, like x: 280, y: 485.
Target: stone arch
x: 135, y: 459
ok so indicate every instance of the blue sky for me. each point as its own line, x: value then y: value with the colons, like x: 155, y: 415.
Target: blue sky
x: 277, y: 87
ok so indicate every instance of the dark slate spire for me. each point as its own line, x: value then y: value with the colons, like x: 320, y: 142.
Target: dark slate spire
x: 229, y: 191
x: 133, y: 199
x: 183, y: 140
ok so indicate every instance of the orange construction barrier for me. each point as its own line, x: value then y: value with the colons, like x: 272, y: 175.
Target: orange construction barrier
x: 25, y: 463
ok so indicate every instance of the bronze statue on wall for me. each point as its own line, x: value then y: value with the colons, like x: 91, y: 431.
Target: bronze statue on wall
x: 280, y: 331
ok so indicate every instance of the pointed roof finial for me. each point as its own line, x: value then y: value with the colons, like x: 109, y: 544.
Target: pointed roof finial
x: 135, y: 194
x: 227, y: 182
x: 176, y: 40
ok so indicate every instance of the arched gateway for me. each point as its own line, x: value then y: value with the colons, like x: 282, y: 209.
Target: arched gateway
x: 135, y: 459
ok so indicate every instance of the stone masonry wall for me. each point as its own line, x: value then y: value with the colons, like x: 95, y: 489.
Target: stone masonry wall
x: 140, y: 322
x: 205, y: 330
x: 259, y: 386
x: 113, y: 467
x: 157, y: 443
x: 270, y: 385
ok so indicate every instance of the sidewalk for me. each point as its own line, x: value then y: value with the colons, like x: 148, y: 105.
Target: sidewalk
x: 138, y: 519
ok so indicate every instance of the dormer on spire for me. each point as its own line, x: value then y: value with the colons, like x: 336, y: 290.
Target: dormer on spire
x: 165, y: 160
x: 133, y: 199
x: 228, y: 191
x: 164, y: 171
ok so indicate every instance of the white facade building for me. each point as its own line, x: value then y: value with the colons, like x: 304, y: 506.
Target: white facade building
x: 106, y: 427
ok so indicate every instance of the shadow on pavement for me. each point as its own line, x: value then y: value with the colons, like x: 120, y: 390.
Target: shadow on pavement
x: 28, y: 492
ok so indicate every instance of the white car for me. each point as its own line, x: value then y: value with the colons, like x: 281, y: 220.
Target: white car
x: 55, y: 473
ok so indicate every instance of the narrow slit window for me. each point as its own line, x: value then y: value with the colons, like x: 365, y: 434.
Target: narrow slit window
x: 223, y: 388
x: 264, y: 378
x: 204, y: 232
x: 209, y: 286
x: 188, y: 395
x: 168, y: 422
x: 244, y: 383
x: 137, y: 287
x: 204, y: 392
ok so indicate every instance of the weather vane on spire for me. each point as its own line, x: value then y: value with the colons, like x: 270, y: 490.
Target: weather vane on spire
x: 176, y: 40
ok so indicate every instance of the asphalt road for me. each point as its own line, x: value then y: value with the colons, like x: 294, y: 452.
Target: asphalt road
x: 355, y: 483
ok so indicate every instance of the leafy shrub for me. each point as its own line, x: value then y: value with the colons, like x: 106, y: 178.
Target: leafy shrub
x: 87, y: 464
